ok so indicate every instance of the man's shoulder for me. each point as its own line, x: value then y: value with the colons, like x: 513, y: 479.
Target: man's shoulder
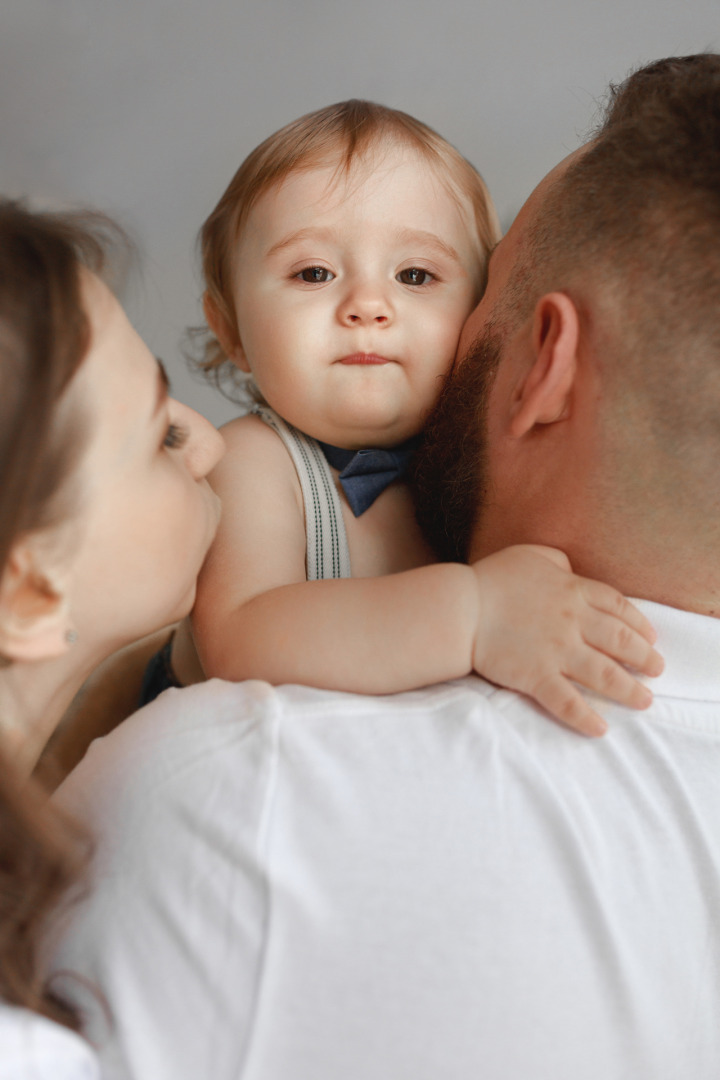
x: 307, y: 701
x: 193, y: 736
x: 344, y: 735
x: 172, y: 751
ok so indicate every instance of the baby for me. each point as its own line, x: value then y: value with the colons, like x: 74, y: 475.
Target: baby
x: 340, y: 266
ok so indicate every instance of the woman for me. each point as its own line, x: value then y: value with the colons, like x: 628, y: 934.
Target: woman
x: 102, y: 482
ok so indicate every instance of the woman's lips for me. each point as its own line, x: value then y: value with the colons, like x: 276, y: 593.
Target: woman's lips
x: 363, y: 358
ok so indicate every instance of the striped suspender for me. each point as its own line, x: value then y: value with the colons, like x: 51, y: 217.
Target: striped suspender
x: 327, y: 554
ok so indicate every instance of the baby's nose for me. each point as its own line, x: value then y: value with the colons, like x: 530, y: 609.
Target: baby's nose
x: 365, y: 306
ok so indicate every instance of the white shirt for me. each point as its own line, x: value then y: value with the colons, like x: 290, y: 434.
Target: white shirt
x: 33, y: 1048
x: 440, y: 885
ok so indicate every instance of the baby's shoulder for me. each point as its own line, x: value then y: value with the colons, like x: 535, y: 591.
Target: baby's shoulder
x: 251, y: 444
x: 251, y: 431
x: 255, y: 455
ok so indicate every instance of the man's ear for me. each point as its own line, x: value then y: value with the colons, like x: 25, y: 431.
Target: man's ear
x: 34, y: 613
x: 544, y: 396
x: 225, y: 334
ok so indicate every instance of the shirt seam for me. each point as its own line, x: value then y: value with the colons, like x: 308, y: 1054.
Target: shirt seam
x: 262, y: 849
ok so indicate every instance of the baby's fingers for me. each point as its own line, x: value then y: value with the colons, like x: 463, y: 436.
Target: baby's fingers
x: 605, y: 598
x: 603, y: 675
x: 556, y: 694
x: 614, y: 638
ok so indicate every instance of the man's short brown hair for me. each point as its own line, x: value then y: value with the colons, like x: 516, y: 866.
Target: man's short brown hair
x: 631, y: 232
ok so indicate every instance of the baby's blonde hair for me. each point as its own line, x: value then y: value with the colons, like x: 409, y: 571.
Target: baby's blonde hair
x: 345, y: 131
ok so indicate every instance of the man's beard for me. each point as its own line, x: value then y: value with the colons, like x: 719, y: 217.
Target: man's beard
x: 450, y: 474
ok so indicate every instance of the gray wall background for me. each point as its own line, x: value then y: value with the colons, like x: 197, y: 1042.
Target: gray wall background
x: 144, y: 108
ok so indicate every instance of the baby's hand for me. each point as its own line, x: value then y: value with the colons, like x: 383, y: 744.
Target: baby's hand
x: 539, y: 626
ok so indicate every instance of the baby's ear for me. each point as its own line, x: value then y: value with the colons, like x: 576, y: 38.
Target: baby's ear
x: 225, y: 333
x: 34, y: 612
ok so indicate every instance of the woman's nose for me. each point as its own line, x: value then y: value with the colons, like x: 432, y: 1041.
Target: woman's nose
x: 205, y: 445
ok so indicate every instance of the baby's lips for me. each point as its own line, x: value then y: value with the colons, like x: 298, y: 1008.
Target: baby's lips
x: 361, y: 359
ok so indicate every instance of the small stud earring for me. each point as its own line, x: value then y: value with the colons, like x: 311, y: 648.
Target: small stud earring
x: 71, y: 636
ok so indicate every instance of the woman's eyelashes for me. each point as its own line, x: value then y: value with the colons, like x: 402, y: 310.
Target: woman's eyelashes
x: 175, y: 437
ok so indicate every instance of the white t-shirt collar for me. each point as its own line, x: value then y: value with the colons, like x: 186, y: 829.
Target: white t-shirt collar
x: 690, y: 646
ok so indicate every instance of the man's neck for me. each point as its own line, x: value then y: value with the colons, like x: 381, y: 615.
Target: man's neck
x: 677, y: 580
x: 667, y: 569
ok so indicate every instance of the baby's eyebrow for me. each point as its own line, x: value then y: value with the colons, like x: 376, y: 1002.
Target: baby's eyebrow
x: 427, y: 239
x: 421, y: 237
x: 317, y: 233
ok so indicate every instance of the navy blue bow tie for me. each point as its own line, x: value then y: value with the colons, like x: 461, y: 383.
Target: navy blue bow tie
x: 364, y: 474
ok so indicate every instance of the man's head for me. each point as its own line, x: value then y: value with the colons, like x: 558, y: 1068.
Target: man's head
x: 586, y: 396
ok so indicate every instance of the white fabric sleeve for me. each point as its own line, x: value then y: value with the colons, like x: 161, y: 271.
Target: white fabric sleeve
x: 33, y: 1048
x: 173, y: 927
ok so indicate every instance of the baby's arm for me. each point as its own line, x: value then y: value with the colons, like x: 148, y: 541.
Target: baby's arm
x: 256, y: 616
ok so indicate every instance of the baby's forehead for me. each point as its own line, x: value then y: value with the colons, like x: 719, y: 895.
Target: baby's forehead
x: 346, y: 169
x: 343, y: 181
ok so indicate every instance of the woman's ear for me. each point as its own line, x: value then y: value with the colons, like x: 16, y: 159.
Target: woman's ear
x: 545, y: 394
x: 34, y: 612
x: 226, y: 335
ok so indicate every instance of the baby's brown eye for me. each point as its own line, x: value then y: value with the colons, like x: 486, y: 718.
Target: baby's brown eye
x: 414, y: 276
x: 316, y: 274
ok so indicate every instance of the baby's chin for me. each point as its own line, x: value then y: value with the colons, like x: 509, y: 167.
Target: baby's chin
x: 379, y: 436
x: 359, y: 425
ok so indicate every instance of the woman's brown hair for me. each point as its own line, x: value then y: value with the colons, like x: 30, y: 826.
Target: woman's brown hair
x: 44, y: 336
